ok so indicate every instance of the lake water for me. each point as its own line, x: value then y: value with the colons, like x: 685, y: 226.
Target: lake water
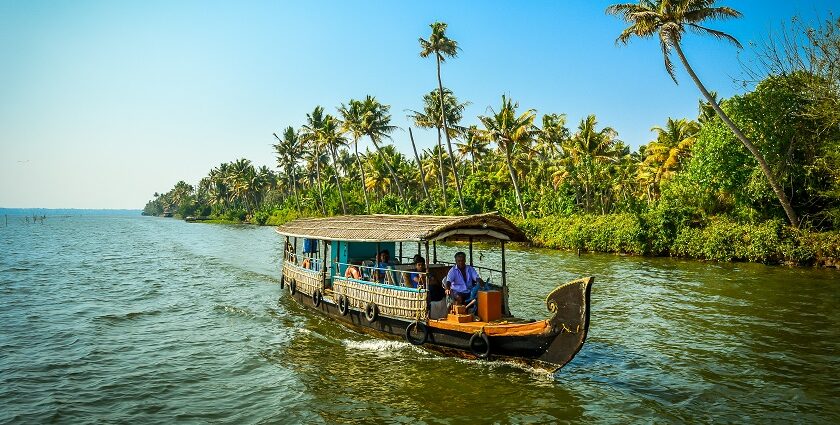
x: 133, y: 320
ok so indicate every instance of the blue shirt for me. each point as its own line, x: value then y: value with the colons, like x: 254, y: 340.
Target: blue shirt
x: 385, y: 268
x: 456, y: 279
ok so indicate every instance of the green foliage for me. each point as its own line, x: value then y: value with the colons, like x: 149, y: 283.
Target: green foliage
x: 620, y: 233
x: 722, y: 177
x: 723, y: 239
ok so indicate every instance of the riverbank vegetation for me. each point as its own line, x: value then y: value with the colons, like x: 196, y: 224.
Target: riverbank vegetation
x: 754, y: 177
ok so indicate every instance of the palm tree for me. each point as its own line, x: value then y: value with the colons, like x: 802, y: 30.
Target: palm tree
x: 587, y: 160
x: 442, y: 47
x: 669, y: 19
x: 549, y: 147
x: 288, y: 151
x: 376, y: 125
x: 426, y: 119
x: 310, y: 133
x: 419, y: 166
x: 241, y: 182
x: 353, y: 122
x: 673, y: 143
x: 474, y: 145
x: 510, y: 133
x: 333, y: 138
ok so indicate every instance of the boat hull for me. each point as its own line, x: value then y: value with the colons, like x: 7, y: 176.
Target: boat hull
x: 549, y: 349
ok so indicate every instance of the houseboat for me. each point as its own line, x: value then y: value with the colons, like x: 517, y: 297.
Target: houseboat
x: 342, y: 267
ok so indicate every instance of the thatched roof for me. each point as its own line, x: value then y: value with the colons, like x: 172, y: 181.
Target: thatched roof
x: 396, y: 228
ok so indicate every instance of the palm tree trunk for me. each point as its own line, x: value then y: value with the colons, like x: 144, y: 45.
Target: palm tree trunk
x: 774, y: 184
x: 318, y: 177
x: 440, y: 167
x: 338, y: 181
x: 362, y: 171
x: 390, y: 170
x: 294, y: 189
x: 448, y: 141
x: 419, y: 165
x: 515, y: 184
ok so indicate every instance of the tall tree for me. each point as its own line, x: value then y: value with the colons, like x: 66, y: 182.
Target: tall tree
x: 310, y: 134
x: 288, y: 151
x: 587, y: 157
x: 419, y: 166
x: 332, y: 139
x: 671, y: 147
x: 510, y: 133
x: 669, y: 19
x: 442, y: 47
x: 429, y: 117
x: 377, y: 126
x: 353, y: 116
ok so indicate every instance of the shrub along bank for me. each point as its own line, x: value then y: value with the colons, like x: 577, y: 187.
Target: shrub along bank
x: 717, y: 238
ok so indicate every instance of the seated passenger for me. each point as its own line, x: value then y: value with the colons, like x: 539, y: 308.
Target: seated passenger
x: 353, y: 272
x: 417, y: 279
x: 383, y: 263
x: 436, y: 296
x: 307, y: 263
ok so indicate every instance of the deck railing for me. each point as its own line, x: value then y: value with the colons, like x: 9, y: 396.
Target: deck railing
x: 305, y: 271
x: 486, y: 273
x: 393, y: 297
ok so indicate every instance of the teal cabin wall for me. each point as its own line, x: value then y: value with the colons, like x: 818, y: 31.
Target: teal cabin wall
x: 348, y: 252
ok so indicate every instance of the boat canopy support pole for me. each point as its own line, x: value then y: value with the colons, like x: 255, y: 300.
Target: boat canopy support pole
x: 434, y: 252
x: 324, y: 266
x: 471, y: 241
x: 400, y: 253
x: 504, y: 272
x: 286, y: 250
x: 427, y: 253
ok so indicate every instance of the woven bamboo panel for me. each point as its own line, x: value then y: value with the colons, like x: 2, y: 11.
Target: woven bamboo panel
x: 390, y: 301
x: 306, y: 280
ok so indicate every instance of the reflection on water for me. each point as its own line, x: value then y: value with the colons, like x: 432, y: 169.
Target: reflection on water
x: 145, y: 319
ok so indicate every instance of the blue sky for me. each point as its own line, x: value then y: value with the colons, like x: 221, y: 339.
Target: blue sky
x: 103, y: 103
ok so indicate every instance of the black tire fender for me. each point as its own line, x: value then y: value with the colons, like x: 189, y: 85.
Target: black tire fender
x: 282, y: 281
x: 416, y: 326
x: 343, y: 305
x: 371, y: 312
x: 476, y: 341
x: 317, y: 297
x: 293, y: 287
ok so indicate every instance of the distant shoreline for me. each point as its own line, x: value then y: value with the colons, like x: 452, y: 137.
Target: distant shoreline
x: 67, y: 211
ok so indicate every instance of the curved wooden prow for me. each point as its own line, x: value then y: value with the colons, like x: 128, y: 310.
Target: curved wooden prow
x: 570, y: 323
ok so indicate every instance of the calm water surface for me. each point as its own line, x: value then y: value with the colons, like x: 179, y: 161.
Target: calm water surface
x: 135, y: 320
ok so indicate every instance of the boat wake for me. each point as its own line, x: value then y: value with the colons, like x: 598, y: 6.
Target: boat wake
x: 378, y: 346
